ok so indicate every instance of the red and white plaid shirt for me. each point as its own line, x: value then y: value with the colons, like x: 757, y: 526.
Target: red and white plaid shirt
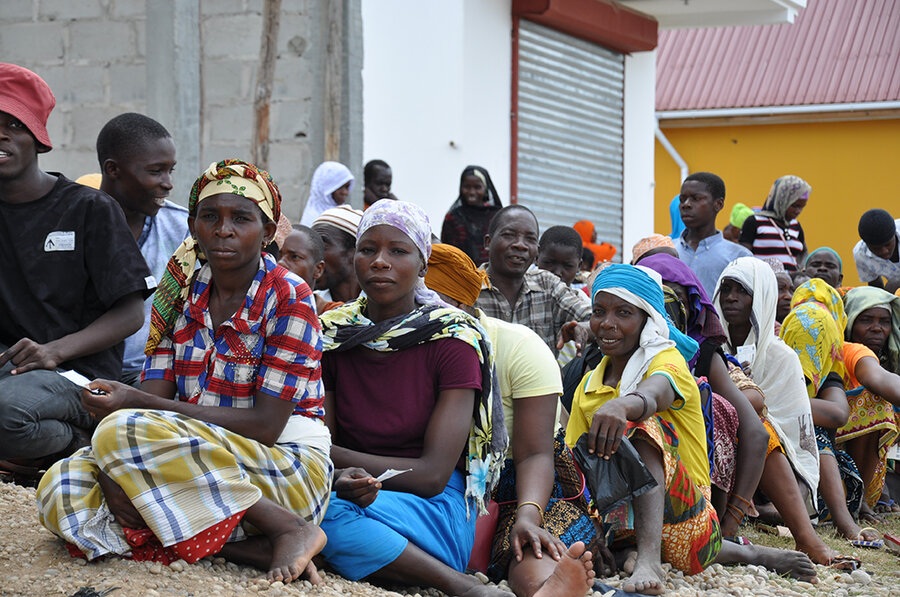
x: 272, y: 344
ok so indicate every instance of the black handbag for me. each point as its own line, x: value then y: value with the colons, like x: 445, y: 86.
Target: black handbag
x: 615, y: 481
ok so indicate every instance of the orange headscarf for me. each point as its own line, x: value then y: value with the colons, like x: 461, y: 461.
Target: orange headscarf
x: 452, y: 272
x: 603, y: 251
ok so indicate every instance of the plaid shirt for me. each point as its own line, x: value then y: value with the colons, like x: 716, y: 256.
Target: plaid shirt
x: 273, y: 345
x: 544, y: 304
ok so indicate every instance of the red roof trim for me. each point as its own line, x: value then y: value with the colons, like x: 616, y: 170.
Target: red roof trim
x: 599, y: 21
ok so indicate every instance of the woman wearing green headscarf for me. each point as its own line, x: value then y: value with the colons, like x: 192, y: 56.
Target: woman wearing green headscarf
x: 872, y: 361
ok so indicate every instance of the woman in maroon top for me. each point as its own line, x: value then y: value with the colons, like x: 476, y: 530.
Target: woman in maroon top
x: 407, y: 387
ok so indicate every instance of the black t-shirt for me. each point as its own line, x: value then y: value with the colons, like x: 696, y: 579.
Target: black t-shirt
x: 65, y: 259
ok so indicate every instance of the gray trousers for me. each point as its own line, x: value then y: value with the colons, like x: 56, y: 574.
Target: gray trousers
x: 38, y: 410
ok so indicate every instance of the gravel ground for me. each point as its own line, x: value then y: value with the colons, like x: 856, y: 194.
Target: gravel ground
x: 34, y: 562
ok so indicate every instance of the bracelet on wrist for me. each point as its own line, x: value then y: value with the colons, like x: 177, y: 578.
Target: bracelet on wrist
x: 536, y: 505
x: 644, y: 400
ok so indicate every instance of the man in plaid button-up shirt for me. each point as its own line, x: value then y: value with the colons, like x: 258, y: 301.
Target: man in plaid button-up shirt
x: 531, y: 297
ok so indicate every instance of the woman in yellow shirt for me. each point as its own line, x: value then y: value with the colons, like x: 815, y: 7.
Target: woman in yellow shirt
x: 643, y: 389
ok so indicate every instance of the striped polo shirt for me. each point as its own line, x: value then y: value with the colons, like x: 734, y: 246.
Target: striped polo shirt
x: 770, y: 240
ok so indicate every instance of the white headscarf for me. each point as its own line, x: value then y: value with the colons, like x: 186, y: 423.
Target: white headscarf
x: 775, y: 367
x: 328, y: 177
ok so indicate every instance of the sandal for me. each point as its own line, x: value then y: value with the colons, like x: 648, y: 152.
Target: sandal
x: 876, y: 544
x: 848, y: 563
x: 892, y: 543
x: 26, y: 473
x: 738, y: 539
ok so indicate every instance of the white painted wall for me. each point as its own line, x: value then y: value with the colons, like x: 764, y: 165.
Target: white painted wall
x: 639, y: 127
x: 436, y: 95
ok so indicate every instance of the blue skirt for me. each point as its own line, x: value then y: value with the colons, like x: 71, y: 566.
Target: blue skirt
x: 362, y: 541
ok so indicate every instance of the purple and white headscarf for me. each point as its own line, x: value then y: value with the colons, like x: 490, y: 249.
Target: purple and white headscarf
x: 412, y: 221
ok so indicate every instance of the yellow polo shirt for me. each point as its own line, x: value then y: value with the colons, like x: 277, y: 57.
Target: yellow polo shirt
x: 685, y: 414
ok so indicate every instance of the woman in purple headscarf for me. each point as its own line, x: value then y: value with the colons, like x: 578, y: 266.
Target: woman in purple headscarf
x: 736, y: 469
x: 409, y: 398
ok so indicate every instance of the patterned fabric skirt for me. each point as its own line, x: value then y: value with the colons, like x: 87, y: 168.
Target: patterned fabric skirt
x: 871, y: 414
x: 725, y: 430
x: 185, y: 478
x: 853, y: 484
x: 566, y: 516
x: 691, y: 538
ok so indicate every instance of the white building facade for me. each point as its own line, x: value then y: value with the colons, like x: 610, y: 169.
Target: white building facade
x: 555, y: 98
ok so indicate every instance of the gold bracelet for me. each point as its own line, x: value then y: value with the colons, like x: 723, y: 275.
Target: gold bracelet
x: 536, y: 505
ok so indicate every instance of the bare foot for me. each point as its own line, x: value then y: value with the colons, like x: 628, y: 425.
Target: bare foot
x: 817, y: 551
x: 852, y: 532
x: 630, y: 559
x: 573, y: 575
x: 293, y: 550
x: 647, y: 579
x: 768, y: 514
x: 866, y: 514
x: 783, y: 561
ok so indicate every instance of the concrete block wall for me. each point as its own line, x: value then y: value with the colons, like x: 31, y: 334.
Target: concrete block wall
x: 93, y: 54
x: 230, y: 57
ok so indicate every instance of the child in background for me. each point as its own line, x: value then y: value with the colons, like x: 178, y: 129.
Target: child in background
x: 303, y: 253
x: 559, y: 252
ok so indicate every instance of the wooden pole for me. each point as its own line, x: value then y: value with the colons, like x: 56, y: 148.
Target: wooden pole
x: 268, y: 53
x: 334, y: 50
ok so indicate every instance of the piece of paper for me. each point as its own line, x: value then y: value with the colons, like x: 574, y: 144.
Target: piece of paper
x: 76, y: 378
x: 746, y: 353
x: 893, y: 452
x: 391, y: 472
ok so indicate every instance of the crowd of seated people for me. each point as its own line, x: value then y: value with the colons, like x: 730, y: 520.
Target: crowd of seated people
x: 352, y: 393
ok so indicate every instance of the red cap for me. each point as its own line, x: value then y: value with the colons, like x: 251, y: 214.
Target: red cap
x: 26, y: 96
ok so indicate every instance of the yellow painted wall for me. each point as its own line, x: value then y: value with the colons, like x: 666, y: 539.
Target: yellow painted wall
x: 852, y: 167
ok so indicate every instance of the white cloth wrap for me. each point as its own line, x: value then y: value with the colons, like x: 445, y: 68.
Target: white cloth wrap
x: 776, y: 369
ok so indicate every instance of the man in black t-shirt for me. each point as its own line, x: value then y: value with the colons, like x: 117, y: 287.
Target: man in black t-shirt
x: 72, y: 284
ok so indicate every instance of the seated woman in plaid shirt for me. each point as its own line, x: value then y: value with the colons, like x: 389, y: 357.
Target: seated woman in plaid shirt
x: 228, y: 425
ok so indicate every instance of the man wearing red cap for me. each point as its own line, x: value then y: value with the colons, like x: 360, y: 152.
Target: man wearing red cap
x: 72, y: 283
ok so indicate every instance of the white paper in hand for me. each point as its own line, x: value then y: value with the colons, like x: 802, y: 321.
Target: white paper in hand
x: 391, y: 472
x: 76, y: 378
x: 745, y: 354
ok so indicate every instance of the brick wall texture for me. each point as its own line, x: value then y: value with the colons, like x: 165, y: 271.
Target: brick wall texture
x: 92, y: 53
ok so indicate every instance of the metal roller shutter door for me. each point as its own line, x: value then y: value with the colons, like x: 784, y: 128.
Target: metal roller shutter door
x: 570, y: 111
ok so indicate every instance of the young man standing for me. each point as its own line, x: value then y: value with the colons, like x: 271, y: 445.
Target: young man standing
x: 137, y: 157
x: 72, y: 282
x: 877, y: 255
x: 701, y: 246
x: 534, y: 298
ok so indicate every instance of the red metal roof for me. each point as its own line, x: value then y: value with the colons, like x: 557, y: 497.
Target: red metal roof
x: 837, y: 51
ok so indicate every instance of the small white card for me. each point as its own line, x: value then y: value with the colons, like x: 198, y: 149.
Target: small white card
x: 391, y: 472
x: 746, y: 353
x: 60, y: 240
x: 76, y: 378
x: 893, y: 452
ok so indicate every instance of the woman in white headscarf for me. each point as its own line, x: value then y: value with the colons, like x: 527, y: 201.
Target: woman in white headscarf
x: 746, y: 298
x: 331, y: 185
